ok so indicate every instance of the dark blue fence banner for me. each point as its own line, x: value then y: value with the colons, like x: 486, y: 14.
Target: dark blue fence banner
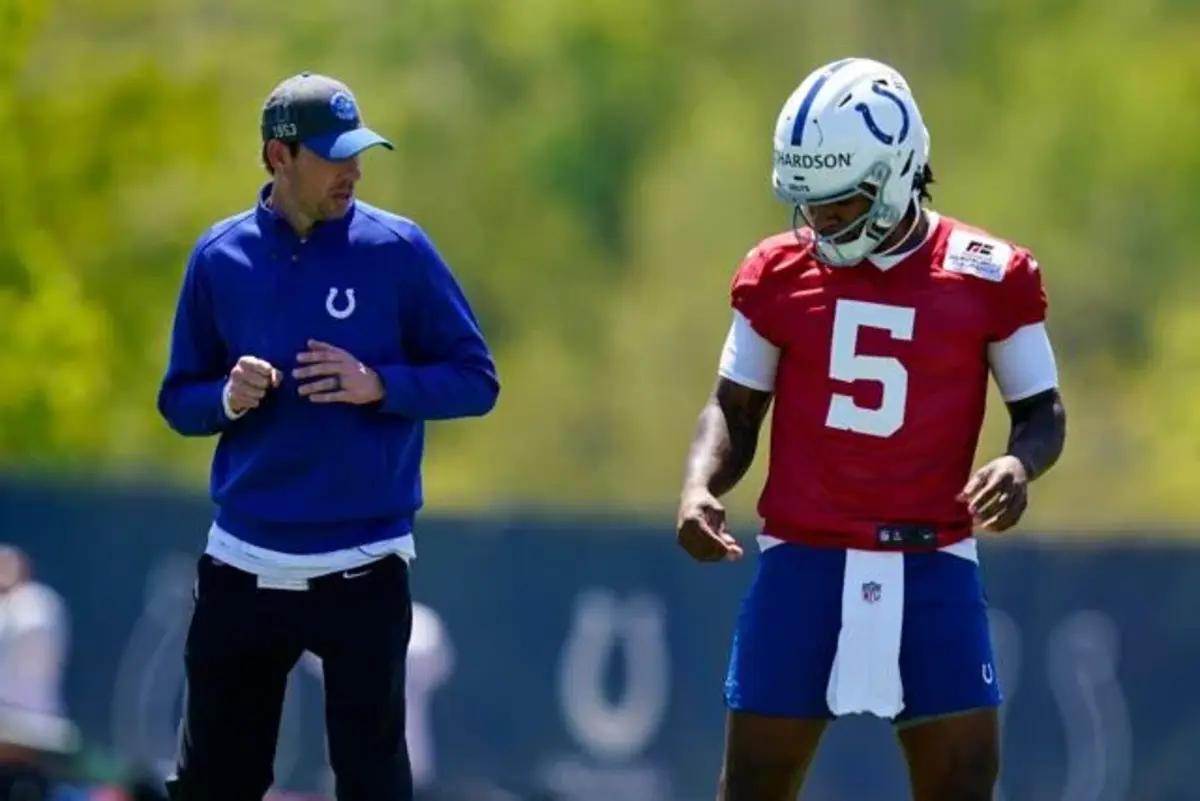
x: 569, y: 658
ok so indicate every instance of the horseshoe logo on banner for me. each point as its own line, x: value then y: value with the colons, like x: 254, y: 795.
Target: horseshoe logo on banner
x: 604, y: 629
x: 1082, y: 665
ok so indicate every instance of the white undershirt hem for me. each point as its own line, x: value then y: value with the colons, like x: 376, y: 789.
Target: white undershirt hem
x: 279, y: 566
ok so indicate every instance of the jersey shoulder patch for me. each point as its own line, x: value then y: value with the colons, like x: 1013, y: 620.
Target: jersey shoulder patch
x: 973, y: 253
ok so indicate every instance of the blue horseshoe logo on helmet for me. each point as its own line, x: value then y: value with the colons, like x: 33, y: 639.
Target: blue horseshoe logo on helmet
x: 875, y: 130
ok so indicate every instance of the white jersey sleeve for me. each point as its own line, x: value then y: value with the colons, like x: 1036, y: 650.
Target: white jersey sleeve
x: 748, y: 358
x: 1024, y: 363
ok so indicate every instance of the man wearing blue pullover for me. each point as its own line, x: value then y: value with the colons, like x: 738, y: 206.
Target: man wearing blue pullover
x: 315, y: 334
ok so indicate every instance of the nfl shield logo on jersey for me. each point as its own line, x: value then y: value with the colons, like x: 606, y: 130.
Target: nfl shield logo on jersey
x: 871, y: 591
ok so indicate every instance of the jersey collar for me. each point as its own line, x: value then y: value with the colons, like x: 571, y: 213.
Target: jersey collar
x: 885, y: 263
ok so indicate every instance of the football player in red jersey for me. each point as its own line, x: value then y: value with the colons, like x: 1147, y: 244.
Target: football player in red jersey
x: 873, y: 324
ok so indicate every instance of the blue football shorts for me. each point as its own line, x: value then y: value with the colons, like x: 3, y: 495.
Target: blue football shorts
x: 787, y: 634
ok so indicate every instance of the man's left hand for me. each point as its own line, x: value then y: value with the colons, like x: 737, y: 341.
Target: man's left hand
x: 337, y: 376
x: 997, y: 494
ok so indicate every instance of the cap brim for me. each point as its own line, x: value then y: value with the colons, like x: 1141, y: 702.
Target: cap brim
x: 346, y: 144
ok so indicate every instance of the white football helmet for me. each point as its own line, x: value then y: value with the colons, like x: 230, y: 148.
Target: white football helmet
x: 852, y: 127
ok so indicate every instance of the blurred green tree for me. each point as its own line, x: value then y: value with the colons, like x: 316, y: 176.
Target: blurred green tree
x: 594, y: 171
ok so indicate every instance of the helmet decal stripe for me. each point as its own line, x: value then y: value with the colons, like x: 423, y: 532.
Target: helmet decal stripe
x: 810, y: 98
x: 875, y: 130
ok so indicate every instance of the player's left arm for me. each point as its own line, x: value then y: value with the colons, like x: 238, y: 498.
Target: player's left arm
x: 1038, y: 432
x: 998, y: 493
x: 1022, y: 361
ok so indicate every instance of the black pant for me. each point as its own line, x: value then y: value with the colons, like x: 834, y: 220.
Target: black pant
x: 243, y: 642
x: 23, y: 783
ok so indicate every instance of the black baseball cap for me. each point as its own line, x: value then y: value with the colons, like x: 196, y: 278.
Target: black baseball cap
x: 320, y: 113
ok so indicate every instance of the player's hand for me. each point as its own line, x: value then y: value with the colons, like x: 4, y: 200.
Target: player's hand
x: 701, y: 529
x: 337, y: 377
x: 249, y: 381
x: 997, y: 494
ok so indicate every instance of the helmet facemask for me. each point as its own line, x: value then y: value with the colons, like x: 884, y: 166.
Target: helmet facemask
x: 860, y: 237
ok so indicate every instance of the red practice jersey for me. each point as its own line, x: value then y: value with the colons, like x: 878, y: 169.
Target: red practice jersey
x: 881, y: 381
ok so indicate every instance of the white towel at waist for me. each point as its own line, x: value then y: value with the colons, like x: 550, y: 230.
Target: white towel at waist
x: 866, y: 669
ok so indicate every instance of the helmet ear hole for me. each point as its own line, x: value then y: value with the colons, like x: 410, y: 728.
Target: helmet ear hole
x: 907, y: 164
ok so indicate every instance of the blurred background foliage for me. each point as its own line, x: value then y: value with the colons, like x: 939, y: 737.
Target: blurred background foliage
x: 594, y: 170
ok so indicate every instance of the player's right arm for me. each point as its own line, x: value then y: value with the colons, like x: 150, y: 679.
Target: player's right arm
x: 721, y: 452
x: 725, y: 441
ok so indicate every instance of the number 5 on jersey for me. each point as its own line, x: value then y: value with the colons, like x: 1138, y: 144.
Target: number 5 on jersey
x: 846, y: 364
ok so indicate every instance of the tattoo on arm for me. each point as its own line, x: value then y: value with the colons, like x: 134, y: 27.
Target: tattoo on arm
x: 726, y: 437
x: 1039, y: 430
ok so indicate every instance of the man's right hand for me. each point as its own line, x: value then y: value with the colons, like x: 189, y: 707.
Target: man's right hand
x: 249, y: 381
x: 701, y: 529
